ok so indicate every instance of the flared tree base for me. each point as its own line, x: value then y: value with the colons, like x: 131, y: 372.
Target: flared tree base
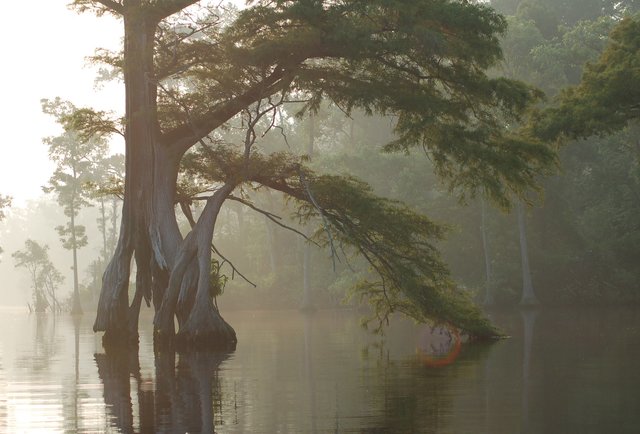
x: 205, y: 329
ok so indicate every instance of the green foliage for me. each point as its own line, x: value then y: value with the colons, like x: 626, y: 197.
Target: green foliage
x: 607, y: 97
x: 217, y: 280
x: 75, y: 160
x: 398, y: 243
x: 565, y: 12
x: 582, y: 238
x: 407, y: 273
x: 545, y: 18
x: 98, y: 8
x: 596, y: 229
x: 72, y: 237
x: 552, y: 64
x: 422, y: 62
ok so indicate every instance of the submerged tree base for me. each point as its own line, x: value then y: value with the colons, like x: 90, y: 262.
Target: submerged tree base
x: 205, y: 329
x: 220, y: 337
x: 114, y: 339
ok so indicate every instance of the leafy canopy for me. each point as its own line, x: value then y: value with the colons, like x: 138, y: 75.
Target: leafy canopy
x: 607, y: 98
x: 423, y: 62
x: 75, y: 157
x: 407, y: 273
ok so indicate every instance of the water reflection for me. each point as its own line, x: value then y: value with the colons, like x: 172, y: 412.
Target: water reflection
x: 529, y: 320
x: 309, y: 368
x: 439, y: 346
x: 183, y: 399
x: 561, y: 371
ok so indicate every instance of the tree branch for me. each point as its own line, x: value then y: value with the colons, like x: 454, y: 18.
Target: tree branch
x: 165, y: 8
x: 111, y: 5
x: 185, y: 136
x: 234, y: 270
x: 274, y: 218
x: 186, y: 210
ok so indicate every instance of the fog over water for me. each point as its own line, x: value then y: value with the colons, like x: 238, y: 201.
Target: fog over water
x: 566, y: 370
x: 307, y: 169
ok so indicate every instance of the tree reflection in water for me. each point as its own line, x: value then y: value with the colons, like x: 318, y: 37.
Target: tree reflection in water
x: 183, y: 398
x: 563, y: 371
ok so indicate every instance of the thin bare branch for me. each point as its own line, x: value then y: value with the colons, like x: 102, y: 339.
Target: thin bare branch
x: 334, y: 252
x: 233, y: 267
x: 273, y: 217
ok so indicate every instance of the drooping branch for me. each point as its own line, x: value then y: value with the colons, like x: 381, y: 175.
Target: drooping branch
x: 305, y: 184
x: 407, y: 272
x: 272, y: 217
x: 282, y: 45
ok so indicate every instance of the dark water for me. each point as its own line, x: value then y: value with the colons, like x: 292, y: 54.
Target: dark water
x: 561, y: 371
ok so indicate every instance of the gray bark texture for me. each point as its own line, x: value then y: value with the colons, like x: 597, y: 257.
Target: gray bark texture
x: 149, y: 230
x: 172, y: 273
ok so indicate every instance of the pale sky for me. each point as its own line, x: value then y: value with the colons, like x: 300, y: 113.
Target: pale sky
x: 44, y: 46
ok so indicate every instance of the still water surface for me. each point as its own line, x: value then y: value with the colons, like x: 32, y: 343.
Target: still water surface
x: 562, y: 371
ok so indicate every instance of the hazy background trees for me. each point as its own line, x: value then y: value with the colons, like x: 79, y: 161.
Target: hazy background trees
x: 5, y: 202
x: 45, y: 278
x: 583, y: 234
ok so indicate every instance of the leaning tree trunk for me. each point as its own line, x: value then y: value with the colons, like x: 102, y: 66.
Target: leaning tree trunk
x: 203, y: 326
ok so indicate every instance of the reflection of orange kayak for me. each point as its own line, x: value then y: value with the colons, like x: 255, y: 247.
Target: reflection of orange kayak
x: 438, y: 346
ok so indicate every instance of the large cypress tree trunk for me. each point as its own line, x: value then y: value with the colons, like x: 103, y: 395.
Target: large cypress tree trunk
x: 148, y: 227
x: 113, y: 315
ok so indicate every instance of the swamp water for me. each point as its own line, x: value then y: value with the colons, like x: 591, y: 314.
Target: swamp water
x: 562, y: 371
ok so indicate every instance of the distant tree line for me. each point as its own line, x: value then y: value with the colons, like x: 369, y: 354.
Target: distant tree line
x: 284, y: 163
